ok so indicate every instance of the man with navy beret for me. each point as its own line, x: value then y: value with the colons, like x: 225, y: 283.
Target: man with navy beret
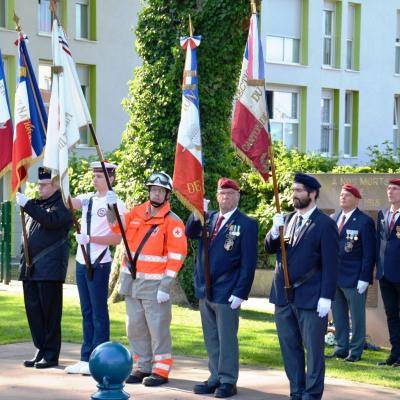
x: 232, y: 252
x: 357, y: 246
x: 388, y: 271
x: 311, y: 242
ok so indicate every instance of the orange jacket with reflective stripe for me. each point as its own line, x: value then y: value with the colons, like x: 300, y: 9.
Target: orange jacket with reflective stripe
x: 165, y: 249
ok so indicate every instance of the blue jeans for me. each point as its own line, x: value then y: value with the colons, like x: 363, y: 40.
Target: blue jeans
x: 93, y: 297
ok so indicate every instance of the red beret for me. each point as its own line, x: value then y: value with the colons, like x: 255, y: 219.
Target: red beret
x: 226, y: 183
x: 395, y: 181
x: 352, y: 189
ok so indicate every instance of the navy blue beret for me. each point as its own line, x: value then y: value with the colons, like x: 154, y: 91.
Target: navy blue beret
x: 307, y: 180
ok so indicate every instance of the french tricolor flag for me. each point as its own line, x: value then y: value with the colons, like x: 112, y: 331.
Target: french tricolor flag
x: 6, y: 128
x: 249, y: 131
x: 30, y: 120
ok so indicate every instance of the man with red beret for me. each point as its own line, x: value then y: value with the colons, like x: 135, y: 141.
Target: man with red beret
x: 232, y: 252
x: 357, y: 245
x: 388, y: 271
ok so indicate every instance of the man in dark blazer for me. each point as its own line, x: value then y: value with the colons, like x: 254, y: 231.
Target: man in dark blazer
x: 232, y: 252
x: 357, y: 246
x: 311, y: 239
x: 388, y: 267
x: 48, y: 224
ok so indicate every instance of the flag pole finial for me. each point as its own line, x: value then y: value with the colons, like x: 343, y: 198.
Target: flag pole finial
x: 190, y: 26
x: 17, y: 24
x: 253, y: 6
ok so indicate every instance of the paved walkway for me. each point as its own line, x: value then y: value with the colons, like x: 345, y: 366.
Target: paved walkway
x: 18, y: 382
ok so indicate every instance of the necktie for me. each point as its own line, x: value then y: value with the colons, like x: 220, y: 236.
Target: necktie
x: 340, y: 227
x: 297, y: 228
x: 217, y: 226
x: 392, y: 221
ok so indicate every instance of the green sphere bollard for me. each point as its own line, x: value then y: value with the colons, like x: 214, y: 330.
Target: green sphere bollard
x: 110, y: 364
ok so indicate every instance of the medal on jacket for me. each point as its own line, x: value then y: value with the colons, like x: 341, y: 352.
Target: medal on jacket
x: 233, y: 233
x: 398, y: 232
x: 351, y: 236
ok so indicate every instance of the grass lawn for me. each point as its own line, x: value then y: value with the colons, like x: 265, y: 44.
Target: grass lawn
x: 257, y: 335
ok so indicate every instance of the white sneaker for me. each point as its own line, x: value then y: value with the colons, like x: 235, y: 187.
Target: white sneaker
x: 76, y: 368
x: 85, y: 370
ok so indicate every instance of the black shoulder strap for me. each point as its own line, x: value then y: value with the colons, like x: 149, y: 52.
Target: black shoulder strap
x: 88, y: 222
x: 139, y: 249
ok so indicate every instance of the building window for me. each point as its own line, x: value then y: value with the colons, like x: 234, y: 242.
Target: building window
x: 284, y: 120
x: 348, y: 118
x: 44, y: 76
x: 328, y: 38
x: 327, y: 126
x: 397, y: 45
x: 46, y: 16
x: 283, y: 49
x: 84, y: 78
x: 3, y: 14
x: 82, y: 19
x: 396, y: 123
x: 350, y: 37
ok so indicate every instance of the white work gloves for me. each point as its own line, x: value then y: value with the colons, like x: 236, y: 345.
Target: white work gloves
x: 362, y: 286
x: 21, y: 199
x: 82, y: 238
x: 324, y: 305
x: 277, y: 221
x: 235, y: 302
x: 205, y: 204
x: 111, y: 198
x: 162, y: 297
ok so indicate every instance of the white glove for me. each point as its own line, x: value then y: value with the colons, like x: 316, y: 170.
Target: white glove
x: 277, y: 221
x: 111, y: 197
x: 324, y: 305
x: 21, y: 199
x: 82, y: 238
x: 205, y: 204
x: 235, y: 302
x: 362, y: 286
x: 162, y: 297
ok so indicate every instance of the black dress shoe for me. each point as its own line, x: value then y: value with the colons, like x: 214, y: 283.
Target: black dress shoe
x: 137, y: 377
x: 351, y: 358
x: 335, y: 354
x: 205, y: 388
x: 30, y: 363
x: 154, y: 380
x: 396, y: 364
x: 389, y: 361
x: 45, y: 364
x: 225, y: 390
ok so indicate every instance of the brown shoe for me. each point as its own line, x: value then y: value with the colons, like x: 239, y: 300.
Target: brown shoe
x: 154, y: 380
x: 137, y: 377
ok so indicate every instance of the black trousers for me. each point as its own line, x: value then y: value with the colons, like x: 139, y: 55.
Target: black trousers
x: 391, y: 300
x: 43, y: 305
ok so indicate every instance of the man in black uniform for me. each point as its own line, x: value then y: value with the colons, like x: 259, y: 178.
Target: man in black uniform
x: 48, y: 224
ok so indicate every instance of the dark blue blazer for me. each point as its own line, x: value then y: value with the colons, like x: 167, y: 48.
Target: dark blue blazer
x: 232, y: 271
x: 388, y: 249
x: 316, y: 247
x: 358, y: 264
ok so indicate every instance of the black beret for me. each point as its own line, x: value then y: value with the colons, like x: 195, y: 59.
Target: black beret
x: 307, y: 180
x: 44, y: 173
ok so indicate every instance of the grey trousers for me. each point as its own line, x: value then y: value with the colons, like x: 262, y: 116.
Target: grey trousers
x: 220, y: 326
x: 300, y: 329
x: 349, y: 299
x: 148, y: 330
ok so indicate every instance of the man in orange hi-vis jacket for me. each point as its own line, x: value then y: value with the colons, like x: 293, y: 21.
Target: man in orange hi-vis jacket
x: 158, y: 245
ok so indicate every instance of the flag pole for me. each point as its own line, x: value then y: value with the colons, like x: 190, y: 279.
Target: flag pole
x: 204, y: 232
x: 287, y: 286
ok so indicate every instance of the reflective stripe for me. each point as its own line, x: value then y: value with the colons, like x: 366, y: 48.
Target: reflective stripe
x: 176, y: 256
x: 170, y: 273
x: 160, y: 357
x: 148, y: 258
x: 150, y: 277
x: 164, y: 367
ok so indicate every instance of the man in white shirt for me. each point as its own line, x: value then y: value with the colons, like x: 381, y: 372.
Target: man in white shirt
x: 96, y: 236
